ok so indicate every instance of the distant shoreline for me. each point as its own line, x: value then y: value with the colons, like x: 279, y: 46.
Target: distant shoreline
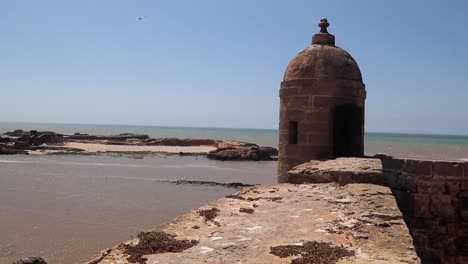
x: 418, y: 146
x: 47, y: 142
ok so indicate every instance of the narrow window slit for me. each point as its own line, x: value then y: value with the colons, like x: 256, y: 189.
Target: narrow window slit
x: 292, y: 132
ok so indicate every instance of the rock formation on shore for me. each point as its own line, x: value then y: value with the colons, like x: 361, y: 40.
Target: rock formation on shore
x: 22, y: 142
x: 244, y: 153
x: 19, y: 141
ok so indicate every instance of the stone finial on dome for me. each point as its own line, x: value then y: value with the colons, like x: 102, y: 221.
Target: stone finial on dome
x: 323, y: 37
x: 323, y: 25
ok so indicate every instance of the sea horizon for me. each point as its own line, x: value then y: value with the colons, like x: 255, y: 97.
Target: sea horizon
x: 217, y: 127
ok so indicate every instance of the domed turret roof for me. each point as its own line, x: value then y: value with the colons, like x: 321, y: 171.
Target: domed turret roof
x: 323, y: 60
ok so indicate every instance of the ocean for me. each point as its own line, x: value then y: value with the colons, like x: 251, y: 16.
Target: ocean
x: 421, y: 146
x: 67, y: 208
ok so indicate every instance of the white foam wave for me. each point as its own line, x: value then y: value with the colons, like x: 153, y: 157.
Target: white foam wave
x: 12, y: 161
x: 185, y: 166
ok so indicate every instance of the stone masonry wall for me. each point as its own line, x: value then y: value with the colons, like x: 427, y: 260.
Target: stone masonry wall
x: 310, y: 103
x: 433, y: 197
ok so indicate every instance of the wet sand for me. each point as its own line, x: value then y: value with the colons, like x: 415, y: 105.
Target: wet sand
x: 92, y: 148
x: 68, y: 208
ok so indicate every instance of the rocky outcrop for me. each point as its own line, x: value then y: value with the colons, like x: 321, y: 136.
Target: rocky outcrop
x: 286, y: 223
x: 19, y: 141
x: 180, y: 142
x: 16, y: 133
x: 119, y: 137
x: 254, y: 153
x: 33, y: 137
x: 47, y: 138
x: 48, y: 141
x: 11, y: 151
x: 340, y: 170
x: 31, y: 260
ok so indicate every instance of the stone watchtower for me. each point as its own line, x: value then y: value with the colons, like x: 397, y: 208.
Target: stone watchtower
x: 321, y: 105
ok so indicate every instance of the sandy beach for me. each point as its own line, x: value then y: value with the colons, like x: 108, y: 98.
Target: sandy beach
x: 94, y: 148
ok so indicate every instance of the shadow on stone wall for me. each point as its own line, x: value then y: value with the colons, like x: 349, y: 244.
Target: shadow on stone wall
x: 433, y: 198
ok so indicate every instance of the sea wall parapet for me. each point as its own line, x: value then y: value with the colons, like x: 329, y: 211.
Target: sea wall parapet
x: 285, y: 223
x: 433, y: 197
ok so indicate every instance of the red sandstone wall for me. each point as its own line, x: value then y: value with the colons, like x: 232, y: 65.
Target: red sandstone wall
x: 433, y: 197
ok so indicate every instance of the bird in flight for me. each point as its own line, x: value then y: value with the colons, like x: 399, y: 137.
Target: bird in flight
x: 140, y: 18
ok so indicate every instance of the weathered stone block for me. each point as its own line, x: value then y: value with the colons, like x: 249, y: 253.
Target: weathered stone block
x: 465, y: 171
x: 452, y: 187
x: 419, y: 237
x: 341, y: 170
x: 464, y: 215
x: 462, y: 246
x: 322, y: 101
x: 419, y: 226
x: 315, y: 89
x: 448, y: 170
x: 431, y: 187
x: 283, y: 137
x: 318, y: 116
x: 442, y: 205
x: 305, y: 152
x: 288, y: 91
x: 419, y: 168
x: 429, y: 225
x: 295, y: 115
x: 317, y: 140
x: 391, y: 177
x: 313, y: 126
x: 406, y: 182
x: 461, y: 260
x: 298, y: 102
x: 464, y: 184
x: 392, y: 164
x: 421, y: 206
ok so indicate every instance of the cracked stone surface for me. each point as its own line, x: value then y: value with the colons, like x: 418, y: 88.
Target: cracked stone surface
x: 363, y: 218
x: 340, y: 170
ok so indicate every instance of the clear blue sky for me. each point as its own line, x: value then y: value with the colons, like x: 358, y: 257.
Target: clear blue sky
x: 215, y: 63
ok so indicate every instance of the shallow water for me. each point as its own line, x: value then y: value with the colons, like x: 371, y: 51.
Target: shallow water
x: 398, y: 145
x: 67, y: 208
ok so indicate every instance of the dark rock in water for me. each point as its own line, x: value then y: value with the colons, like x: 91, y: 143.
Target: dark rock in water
x: 35, y: 137
x: 4, y: 139
x: 16, y: 133
x: 120, y: 137
x: 211, y: 183
x: 243, y: 153
x: 47, y: 138
x: 31, y: 260
x: 7, y: 151
x: 179, y: 142
x: 21, y: 145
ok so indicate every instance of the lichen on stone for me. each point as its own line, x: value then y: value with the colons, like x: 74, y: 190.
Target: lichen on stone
x: 312, y: 252
x: 153, y: 243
